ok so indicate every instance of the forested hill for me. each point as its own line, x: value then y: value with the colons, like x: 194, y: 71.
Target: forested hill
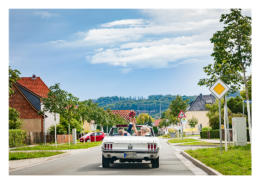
x: 149, y: 105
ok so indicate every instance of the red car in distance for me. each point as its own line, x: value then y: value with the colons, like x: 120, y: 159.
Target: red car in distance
x: 91, y: 137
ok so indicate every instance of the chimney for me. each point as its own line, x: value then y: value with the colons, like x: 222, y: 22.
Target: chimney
x: 33, y: 76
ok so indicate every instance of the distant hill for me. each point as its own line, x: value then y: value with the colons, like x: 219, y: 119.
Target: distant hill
x: 150, y: 105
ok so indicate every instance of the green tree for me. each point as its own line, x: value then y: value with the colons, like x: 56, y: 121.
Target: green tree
x: 193, y: 122
x: 235, y: 104
x: 144, y: 118
x: 164, y: 123
x: 13, y: 77
x: 175, y: 107
x: 14, y: 121
x: 56, y: 102
x: 213, y: 114
x: 249, y: 85
x: 232, y: 53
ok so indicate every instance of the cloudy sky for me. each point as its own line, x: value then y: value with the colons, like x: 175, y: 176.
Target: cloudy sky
x: 106, y: 52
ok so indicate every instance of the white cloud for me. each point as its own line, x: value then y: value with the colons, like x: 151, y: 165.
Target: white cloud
x: 125, y: 22
x: 165, y: 38
x: 156, y: 56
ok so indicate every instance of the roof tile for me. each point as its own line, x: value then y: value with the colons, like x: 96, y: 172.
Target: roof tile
x: 36, y: 86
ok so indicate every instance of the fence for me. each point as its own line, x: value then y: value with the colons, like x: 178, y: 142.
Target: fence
x: 64, y: 138
x: 38, y: 138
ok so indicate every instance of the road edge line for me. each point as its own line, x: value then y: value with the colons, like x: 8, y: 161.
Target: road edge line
x: 201, y: 165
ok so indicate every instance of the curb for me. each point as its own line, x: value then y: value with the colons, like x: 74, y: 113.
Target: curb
x: 202, y: 166
x: 213, y: 146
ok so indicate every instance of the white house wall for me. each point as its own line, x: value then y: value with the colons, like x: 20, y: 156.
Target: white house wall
x: 50, y: 120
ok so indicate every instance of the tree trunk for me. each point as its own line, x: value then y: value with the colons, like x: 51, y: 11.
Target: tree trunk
x: 248, y: 106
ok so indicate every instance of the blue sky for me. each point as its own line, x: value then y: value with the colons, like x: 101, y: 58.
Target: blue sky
x: 106, y: 52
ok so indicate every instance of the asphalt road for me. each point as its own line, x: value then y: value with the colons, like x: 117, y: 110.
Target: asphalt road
x: 88, y: 162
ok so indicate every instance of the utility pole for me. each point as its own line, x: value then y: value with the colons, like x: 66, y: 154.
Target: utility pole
x: 160, y: 110
x: 55, y: 130
x: 225, y: 121
x: 69, y: 134
x: 220, y: 130
x: 44, y: 133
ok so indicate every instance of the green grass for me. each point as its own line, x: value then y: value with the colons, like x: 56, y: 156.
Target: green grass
x: 177, y: 140
x: 61, y: 146
x: 192, y: 135
x: 27, y: 155
x: 236, y: 161
x: 197, y: 143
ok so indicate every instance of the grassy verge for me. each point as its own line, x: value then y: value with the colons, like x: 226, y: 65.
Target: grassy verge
x: 236, y: 161
x: 24, y: 155
x: 177, y: 140
x: 199, y: 143
x: 61, y: 146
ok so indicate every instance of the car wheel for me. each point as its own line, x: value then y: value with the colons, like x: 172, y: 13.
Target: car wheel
x: 155, y: 163
x: 105, y: 162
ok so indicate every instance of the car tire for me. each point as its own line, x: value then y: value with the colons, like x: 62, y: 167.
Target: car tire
x: 155, y: 163
x: 105, y: 162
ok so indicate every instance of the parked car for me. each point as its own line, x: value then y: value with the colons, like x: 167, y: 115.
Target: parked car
x: 93, y: 136
x: 130, y: 148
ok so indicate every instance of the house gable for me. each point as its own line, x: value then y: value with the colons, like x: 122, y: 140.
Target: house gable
x: 34, y: 100
x: 199, y: 104
x: 22, y: 105
x: 35, y: 85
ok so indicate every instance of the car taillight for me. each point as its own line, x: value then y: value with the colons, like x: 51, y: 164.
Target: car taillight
x: 108, y: 146
x: 152, y: 147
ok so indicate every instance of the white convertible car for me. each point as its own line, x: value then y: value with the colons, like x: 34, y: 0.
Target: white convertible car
x: 130, y: 148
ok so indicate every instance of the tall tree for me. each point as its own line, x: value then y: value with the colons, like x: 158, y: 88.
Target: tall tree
x: 177, y: 105
x: 56, y: 102
x: 13, y: 77
x: 232, y: 53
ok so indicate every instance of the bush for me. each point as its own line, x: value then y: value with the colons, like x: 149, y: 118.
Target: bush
x: 206, y: 128
x: 14, y: 120
x: 213, y: 134
x: 17, y: 137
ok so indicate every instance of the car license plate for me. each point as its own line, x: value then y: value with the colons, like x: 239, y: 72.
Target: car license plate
x: 129, y: 154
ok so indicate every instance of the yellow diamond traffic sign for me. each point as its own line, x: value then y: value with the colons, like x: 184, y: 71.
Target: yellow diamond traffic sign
x: 219, y: 89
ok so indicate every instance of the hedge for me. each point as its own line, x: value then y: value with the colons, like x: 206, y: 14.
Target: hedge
x: 212, y: 134
x: 17, y: 137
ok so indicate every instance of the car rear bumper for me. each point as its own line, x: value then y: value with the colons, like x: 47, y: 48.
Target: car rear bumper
x: 136, y: 155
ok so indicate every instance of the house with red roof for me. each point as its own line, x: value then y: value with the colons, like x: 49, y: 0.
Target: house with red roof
x: 27, y: 100
x: 156, y: 122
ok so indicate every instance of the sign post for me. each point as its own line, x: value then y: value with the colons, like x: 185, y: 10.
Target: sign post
x: 219, y: 89
x: 181, y: 115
